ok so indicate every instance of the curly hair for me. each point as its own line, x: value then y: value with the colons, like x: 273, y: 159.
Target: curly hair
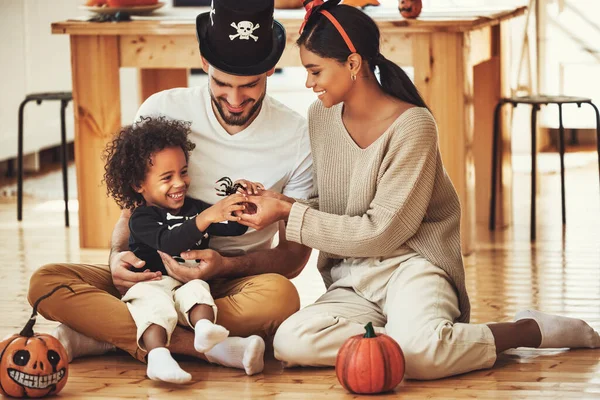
x: 129, y: 155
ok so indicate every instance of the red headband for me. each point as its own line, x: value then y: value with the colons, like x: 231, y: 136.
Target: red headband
x: 310, y: 7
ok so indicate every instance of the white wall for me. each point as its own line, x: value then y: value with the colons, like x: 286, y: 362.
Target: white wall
x: 38, y: 62
x: 573, y: 57
x: 34, y: 60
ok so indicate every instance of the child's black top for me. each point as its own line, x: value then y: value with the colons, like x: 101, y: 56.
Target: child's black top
x: 153, y: 228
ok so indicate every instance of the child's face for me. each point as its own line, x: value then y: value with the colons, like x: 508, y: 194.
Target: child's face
x: 167, y: 180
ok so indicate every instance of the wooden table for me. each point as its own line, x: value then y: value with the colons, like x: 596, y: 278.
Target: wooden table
x: 461, y: 68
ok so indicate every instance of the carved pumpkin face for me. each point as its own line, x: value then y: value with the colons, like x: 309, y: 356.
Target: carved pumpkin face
x: 410, y: 8
x: 34, y: 366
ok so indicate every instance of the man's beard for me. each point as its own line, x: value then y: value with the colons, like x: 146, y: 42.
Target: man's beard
x: 237, y: 119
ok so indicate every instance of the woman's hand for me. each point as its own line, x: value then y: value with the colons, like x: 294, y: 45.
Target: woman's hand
x: 268, y: 211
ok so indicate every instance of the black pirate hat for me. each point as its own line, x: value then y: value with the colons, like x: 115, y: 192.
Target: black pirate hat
x: 240, y: 37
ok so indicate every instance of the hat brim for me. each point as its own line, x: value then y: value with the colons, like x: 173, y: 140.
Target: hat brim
x: 265, y: 65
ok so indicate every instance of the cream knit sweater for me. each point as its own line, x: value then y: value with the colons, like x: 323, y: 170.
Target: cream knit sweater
x: 373, y: 202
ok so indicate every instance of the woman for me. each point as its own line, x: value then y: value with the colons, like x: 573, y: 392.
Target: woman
x: 386, y: 218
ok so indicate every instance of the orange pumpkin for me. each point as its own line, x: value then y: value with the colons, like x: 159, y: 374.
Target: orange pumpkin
x: 370, y: 363
x: 410, y: 8
x: 31, y: 364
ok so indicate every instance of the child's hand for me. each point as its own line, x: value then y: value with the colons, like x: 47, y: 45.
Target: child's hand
x: 225, y: 209
x: 249, y: 187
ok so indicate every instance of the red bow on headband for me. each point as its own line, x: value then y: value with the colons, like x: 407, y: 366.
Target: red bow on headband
x: 309, y: 6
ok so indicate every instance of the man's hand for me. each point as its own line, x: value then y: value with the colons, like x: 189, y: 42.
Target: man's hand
x: 123, y: 278
x: 208, y: 268
x: 249, y: 187
x: 277, y: 195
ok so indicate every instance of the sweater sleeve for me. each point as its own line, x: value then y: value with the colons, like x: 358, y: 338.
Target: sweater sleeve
x: 147, y: 227
x: 405, y: 185
x: 312, y: 201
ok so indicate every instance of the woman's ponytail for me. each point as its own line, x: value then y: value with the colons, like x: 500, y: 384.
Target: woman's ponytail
x: 395, y: 82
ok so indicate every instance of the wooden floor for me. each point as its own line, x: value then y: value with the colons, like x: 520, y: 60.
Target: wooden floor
x: 560, y: 273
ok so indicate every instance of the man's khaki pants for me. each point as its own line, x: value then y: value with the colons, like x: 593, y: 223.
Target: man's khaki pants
x: 254, y: 305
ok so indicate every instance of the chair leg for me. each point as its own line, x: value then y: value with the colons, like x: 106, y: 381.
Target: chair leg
x: 597, y: 134
x: 574, y: 140
x: 10, y: 168
x: 561, y: 141
x: 495, y: 140
x: 63, y: 157
x: 20, y: 163
x: 533, y: 169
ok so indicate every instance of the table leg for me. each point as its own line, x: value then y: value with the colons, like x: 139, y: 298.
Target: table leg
x: 155, y: 80
x: 505, y: 191
x: 97, y: 109
x: 443, y: 77
x: 491, y: 82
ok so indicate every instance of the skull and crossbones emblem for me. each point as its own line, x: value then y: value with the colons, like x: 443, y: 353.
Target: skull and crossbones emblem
x: 244, y: 30
x: 212, y: 12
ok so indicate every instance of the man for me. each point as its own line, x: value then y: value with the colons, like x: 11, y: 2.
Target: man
x: 240, y: 132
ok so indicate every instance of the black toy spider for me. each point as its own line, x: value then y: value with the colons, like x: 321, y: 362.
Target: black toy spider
x: 227, y: 187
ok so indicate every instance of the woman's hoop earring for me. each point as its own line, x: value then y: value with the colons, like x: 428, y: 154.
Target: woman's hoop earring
x: 353, y: 77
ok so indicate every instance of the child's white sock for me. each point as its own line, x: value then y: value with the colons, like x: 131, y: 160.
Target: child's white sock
x: 558, y: 332
x: 208, y: 335
x: 79, y: 345
x: 247, y: 353
x: 163, y: 367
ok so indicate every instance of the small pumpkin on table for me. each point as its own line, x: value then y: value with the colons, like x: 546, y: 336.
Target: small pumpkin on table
x: 410, y: 8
